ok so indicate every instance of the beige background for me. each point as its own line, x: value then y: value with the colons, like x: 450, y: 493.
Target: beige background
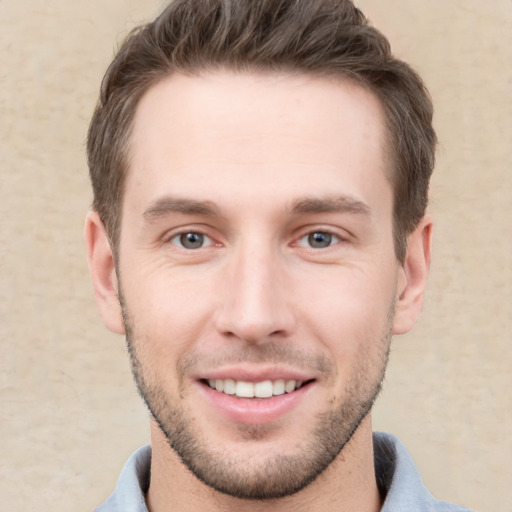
x: 69, y: 412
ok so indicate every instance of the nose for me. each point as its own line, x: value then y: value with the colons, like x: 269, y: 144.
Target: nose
x: 256, y: 297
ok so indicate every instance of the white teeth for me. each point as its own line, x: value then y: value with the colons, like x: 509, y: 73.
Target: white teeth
x: 289, y: 386
x: 278, y: 387
x: 244, y: 389
x: 229, y: 387
x: 263, y: 389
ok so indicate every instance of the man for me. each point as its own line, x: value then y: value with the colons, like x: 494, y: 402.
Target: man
x: 260, y: 173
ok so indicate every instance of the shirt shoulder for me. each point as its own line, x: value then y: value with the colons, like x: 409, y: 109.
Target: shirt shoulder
x: 132, y: 485
x: 399, y: 479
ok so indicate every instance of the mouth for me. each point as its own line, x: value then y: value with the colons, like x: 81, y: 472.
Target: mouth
x: 249, y: 400
x: 261, y: 389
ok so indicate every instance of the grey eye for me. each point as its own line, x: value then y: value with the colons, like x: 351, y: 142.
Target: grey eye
x: 191, y: 240
x: 318, y: 240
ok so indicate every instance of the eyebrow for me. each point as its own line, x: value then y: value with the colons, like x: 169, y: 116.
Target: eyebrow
x: 167, y: 205
x: 305, y: 206
x: 339, y: 204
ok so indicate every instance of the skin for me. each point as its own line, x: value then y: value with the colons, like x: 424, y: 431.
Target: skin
x: 255, y: 164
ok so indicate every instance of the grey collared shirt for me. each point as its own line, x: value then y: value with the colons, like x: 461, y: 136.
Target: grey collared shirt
x: 397, y: 476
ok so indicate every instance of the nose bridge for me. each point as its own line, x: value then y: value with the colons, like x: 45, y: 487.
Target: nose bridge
x: 255, y: 306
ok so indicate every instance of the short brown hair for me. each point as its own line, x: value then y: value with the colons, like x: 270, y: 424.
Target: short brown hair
x: 320, y: 37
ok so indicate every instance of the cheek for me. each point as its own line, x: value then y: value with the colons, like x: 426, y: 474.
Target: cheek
x: 170, y: 310
x: 347, y: 308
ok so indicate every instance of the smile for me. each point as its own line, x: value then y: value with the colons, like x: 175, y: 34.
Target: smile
x: 263, y: 389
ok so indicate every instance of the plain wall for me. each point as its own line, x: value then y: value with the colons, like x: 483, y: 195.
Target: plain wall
x: 70, y: 415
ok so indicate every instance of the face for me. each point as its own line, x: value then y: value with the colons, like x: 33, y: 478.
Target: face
x: 257, y: 272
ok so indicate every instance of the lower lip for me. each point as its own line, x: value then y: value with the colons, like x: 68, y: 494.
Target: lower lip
x: 255, y: 411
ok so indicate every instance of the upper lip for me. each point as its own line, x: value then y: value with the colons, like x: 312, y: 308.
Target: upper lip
x: 255, y: 374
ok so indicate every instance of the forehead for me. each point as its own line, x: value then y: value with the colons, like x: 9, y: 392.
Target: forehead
x: 226, y: 132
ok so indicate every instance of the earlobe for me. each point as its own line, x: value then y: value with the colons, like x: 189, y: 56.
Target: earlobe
x: 103, y: 273
x: 413, y: 277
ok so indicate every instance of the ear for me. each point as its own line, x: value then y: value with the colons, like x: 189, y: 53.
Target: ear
x: 103, y: 273
x: 413, y: 277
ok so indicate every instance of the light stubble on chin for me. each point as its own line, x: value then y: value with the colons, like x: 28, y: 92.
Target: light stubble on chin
x: 278, y: 475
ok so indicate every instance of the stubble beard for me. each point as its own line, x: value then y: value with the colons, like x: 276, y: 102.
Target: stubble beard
x: 279, y: 475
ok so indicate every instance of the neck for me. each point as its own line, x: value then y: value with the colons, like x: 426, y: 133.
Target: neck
x: 347, y: 484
